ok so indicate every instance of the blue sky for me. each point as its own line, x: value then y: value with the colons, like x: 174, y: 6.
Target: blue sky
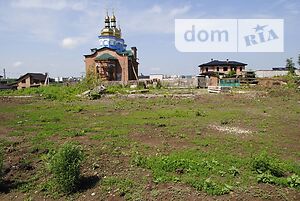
x: 53, y: 35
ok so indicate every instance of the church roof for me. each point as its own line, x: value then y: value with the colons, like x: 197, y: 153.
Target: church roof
x: 105, y: 56
x: 126, y: 52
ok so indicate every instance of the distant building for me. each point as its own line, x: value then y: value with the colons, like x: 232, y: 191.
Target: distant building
x: 144, y: 77
x: 59, y: 79
x: 112, y: 61
x: 5, y: 87
x: 281, y: 69
x: 222, y: 67
x: 277, y: 71
x: 31, y: 80
x: 156, y: 76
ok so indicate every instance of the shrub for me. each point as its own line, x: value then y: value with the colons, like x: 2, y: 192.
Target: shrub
x: 65, y: 166
x: 89, y: 82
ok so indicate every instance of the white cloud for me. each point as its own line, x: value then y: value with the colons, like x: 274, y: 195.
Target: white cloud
x: 157, y: 19
x: 43, y: 21
x: 17, y: 63
x: 72, y: 42
x: 50, y: 4
x: 37, y: 23
x: 156, y: 9
x: 179, y: 11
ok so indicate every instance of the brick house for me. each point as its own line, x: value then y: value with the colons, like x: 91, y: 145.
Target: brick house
x: 222, y: 67
x: 31, y: 80
x: 111, y: 65
x: 111, y: 61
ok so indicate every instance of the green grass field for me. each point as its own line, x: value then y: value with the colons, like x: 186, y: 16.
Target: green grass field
x: 233, y: 146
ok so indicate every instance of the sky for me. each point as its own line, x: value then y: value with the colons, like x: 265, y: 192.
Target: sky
x: 53, y: 35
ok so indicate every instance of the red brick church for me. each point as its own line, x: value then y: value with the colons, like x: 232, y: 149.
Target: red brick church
x: 111, y: 61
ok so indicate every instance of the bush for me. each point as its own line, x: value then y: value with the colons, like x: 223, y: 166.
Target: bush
x: 65, y: 166
x: 89, y: 82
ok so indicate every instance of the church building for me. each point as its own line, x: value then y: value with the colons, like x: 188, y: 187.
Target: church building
x: 111, y: 61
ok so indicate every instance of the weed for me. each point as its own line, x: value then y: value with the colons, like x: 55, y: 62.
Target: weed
x: 116, y: 89
x: 74, y: 108
x: 201, y: 113
x: 293, y: 181
x: 265, y: 177
x: 234, y: 171
x: 123, y: 186
x: 189, y: 167
x: 271, y: 170
x: 75, y: 133
x: 264, y: 163
x: 139, y: 160
x: 120, y: 124
x: 50, y: 188
x: 212, y: 188
x: 226, y: 121
x: 65, y: 166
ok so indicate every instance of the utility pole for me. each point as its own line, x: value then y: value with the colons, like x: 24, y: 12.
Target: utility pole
x: 47, y: 79
x: 4, y: 73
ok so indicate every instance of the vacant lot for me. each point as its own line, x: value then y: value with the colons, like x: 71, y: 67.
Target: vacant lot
x: 240, y: 146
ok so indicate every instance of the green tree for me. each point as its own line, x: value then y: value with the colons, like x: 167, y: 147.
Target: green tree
x: 290, y: 65
x: 232, y: 73
x: 299, y: 59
